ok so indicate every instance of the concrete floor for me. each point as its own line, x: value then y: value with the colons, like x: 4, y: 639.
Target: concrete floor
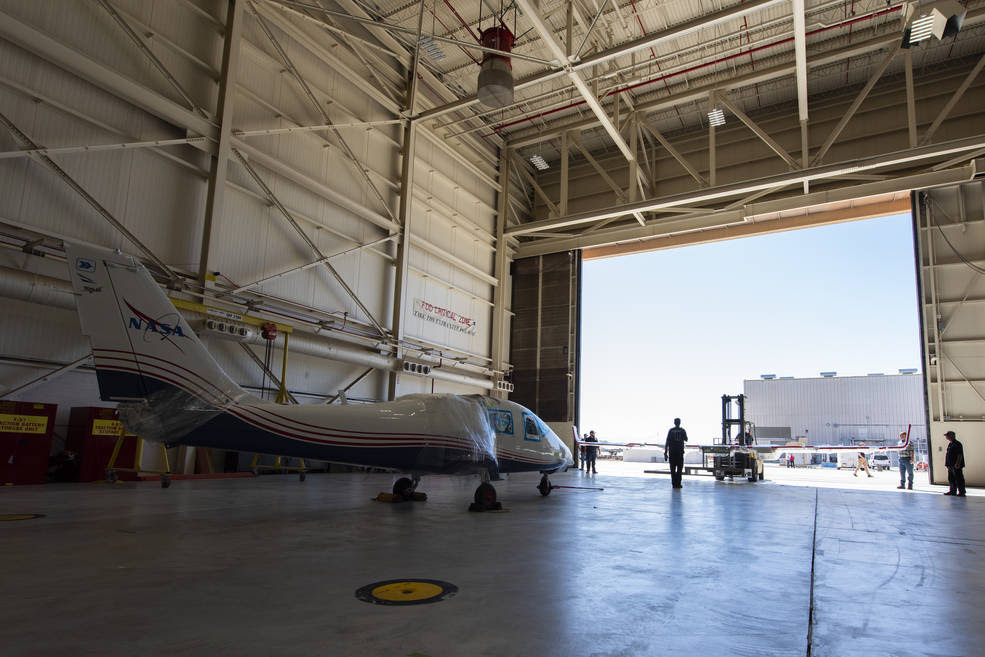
x: 270, y: 567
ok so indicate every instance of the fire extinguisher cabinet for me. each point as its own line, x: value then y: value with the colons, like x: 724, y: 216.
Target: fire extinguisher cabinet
x: 25, y: 441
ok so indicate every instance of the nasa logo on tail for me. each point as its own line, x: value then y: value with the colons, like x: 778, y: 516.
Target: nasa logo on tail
x: 166, y: 328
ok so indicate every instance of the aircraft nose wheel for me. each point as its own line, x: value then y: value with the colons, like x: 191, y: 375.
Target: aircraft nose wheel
x: 544, y: 486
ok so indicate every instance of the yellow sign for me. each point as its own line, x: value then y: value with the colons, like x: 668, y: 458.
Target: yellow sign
x: 106, y: 428
x: 23, y: 424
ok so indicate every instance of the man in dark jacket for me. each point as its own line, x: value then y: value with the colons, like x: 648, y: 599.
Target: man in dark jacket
x: 954, y: 460
x: 674, y: 452
x: 590, y: 453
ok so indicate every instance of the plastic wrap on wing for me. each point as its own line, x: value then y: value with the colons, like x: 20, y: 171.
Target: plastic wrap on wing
x: 167, y: 415
x: 469, y: 414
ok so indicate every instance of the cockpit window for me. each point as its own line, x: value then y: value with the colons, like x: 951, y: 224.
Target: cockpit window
x: 531, y: 428
x: 501, y: 420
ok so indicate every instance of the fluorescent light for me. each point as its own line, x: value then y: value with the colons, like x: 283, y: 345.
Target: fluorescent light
x: 539, y: 162
x: 921, y: 28
x: 716, y: 117
x: 431, y: 49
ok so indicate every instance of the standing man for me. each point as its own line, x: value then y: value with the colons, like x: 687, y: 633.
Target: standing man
x: 674, y: 452
x: 591, y: 452
x: 954, y: 460
x: 905, y: 459
x: 581, y: 453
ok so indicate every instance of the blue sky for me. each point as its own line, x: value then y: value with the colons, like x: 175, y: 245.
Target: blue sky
x: 667, y: 333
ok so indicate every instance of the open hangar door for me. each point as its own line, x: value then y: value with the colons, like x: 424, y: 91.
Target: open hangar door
x: 545, y: 338
x: 949, y: 224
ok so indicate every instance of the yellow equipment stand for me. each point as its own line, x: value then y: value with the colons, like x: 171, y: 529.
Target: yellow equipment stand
x: 278, y: 465
x: 111, y: 469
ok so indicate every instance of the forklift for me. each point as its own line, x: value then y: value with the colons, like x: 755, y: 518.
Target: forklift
x: 735, y: 456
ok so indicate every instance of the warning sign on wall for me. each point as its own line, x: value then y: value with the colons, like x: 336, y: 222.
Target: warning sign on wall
x: 23, y: 424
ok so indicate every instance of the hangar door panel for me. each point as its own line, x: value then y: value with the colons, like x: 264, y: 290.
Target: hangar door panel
x: 950, y: 225
x: 545, y: 334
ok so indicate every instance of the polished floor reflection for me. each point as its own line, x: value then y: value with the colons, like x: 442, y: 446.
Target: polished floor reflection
x: 270, y: 567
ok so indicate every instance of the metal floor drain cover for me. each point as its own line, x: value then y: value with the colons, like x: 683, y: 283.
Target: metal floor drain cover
x: 406, y: 592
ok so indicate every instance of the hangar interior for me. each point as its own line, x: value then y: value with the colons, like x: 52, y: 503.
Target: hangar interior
x: 336, y: 169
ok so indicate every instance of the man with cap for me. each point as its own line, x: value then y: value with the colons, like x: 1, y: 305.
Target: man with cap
x: 954, y: 460
x: 905, y: 460
x: 674, y: 452
x: 590, y: 453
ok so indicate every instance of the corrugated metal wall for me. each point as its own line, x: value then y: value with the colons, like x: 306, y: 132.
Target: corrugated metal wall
x: 950, y: 224
x: 102, y: 90
x: 544, y: 336
x: 839, y: 410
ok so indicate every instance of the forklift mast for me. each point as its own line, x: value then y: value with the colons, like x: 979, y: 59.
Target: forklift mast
x: 729, y: 420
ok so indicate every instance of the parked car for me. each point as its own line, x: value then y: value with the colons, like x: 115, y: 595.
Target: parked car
x: 880, y: 462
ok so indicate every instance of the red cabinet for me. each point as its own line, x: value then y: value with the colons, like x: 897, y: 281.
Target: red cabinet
x: 92, y: 435
x: 25, y: 441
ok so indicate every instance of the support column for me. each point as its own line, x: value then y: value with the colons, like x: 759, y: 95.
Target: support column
x: 497, y: 351
x: 405, y: 212
x: 224, y: 115
x: 563, y: 205
x: 712, y: 164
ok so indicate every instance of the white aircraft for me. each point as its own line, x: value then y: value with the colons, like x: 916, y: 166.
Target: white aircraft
x: 173, y: 391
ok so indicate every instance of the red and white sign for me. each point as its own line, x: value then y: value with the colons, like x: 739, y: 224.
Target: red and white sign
x: 443, y: 317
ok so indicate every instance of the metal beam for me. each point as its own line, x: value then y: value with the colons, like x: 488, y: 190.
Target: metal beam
x: 406, y: 213
x: 769, y: 141
x: 911, y: 103
x: 598, y: 167
x: 547, y: 36
x: 745, y: 187
x: 73, y: 61
x: 307, y: 240
x: 674, y: 153
x: 45, y: 378
x: 946, y: 110
x: 800, y: 55
x: 715, y: 218
x: 533, y: 183
x: 266, y: 370
x: 24, y: 140
x: 224, y: 115
x: 98, y: 148
x: 320, y: 108
x: 643, y: 43
x: 355, y: 381
x: 856, y: 103
x: 501, y: 270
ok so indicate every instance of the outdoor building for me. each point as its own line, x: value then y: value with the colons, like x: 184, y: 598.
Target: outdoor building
x: 847, y: 410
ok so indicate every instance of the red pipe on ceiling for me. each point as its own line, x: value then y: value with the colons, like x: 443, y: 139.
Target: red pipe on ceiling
x: 696, y: 67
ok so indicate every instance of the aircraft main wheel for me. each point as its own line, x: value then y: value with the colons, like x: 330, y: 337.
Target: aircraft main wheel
x: 404, y: 488
x: 111, y: 476
x: 165, y: 481
x: 485, y: 495
x: 544, y: 486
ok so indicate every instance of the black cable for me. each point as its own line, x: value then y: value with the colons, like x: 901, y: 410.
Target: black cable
x: 970, y: 264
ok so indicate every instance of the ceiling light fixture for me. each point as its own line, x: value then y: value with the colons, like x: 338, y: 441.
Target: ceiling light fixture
x: 430, y: 48
x: 716, y: 117
x: 539, y: 162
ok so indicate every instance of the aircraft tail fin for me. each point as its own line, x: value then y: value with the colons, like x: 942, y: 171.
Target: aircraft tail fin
x: 143, y: 349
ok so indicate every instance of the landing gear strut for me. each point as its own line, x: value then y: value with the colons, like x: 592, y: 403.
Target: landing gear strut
x: 485, y: 497
x: 545, y: 485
